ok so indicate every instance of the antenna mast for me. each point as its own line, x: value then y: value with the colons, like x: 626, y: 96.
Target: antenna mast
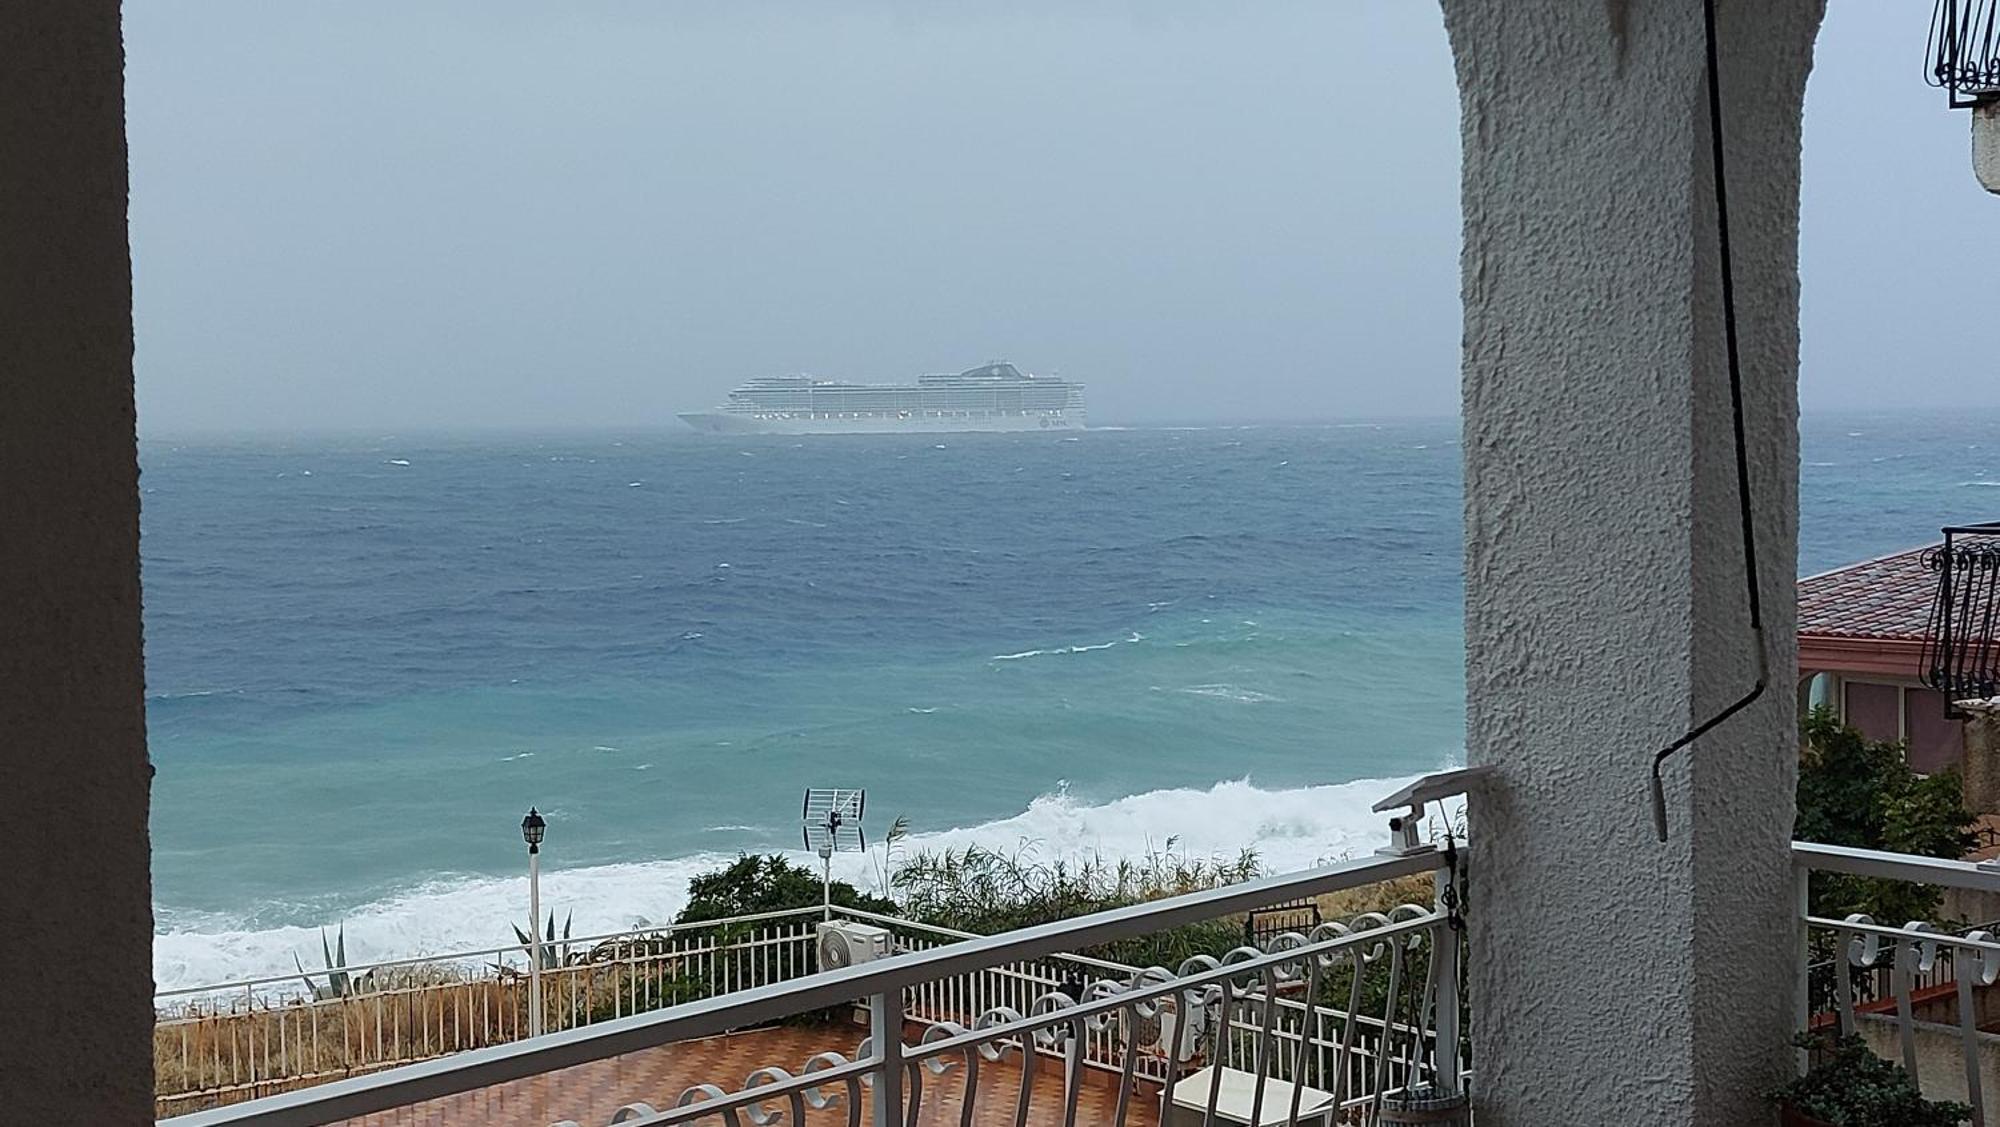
x: 830, y: 822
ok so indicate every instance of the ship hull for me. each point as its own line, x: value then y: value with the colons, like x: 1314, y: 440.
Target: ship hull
x: 724, y: 422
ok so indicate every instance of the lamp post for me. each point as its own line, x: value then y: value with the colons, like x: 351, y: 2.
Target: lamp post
x: 532, y: 829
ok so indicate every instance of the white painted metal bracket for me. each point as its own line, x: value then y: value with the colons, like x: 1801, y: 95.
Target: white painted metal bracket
x: 1403, y: 840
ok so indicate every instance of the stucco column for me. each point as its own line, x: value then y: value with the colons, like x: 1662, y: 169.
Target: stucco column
x: 1986, y: 144
x: 75, y: 902
x: 1979, y: 757
x: 1616, y: 979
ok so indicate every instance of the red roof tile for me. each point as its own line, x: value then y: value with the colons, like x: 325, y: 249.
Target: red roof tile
x: 1889, y: 597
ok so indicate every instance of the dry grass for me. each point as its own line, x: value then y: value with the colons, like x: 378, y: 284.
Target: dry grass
x: 222, y: 1053
x: 1351, y: 902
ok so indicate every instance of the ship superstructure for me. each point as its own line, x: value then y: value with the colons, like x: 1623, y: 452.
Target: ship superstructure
x: 992, y: 397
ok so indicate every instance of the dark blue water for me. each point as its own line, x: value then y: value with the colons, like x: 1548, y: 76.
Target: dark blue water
x: 367, y: 658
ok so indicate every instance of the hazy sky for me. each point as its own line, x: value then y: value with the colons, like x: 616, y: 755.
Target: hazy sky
x: 401, y: 215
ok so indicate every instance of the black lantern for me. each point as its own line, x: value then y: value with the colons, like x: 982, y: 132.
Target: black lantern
x: 532, y: 828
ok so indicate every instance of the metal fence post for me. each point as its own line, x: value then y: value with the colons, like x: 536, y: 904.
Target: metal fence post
x: 1444, y: 948
x: 885, y: 1032
x: 535, y: 941
x: 1802, y: 892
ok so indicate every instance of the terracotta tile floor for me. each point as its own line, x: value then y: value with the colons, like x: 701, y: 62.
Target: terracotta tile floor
x: 589, y: 1094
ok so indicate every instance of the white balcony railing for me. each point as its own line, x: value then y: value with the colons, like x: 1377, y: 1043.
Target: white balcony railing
x: 1316, y: 1026
x: 1312, y: 1028
x: 232, y: 1041
x: 1919, y: 992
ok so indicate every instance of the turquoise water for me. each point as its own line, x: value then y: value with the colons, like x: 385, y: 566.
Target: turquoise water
x: 367, y: 658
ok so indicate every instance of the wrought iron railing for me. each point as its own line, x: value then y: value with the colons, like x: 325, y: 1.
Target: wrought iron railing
x: 946, y: 1039
x: 1963, y: 52
x: 1961, y: 654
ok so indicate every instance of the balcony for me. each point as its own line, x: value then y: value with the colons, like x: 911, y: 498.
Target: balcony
x: 987, y: 1029
x: 1621, y: 982
x: 1336, y: 1023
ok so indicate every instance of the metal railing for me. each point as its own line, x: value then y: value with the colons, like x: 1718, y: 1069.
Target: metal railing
x: 1962, y: 52
x: 232, y: 1041
x: 1928, y: 1013
x: 1301, y: 1020
x: 940, y: 1019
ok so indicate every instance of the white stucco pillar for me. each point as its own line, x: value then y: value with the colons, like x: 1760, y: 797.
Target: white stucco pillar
x: 1615, y: 979
x: 76, y: 928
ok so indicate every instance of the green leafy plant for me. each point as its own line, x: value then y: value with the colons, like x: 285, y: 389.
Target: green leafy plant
x: 892, y: 852
x: 985, y: 891
x: 751, y: 885
x: 554, y: 953
x: 1849, y: 1086
x: 757, y: 883
x: 339, y: 983
x: 1860, y: 792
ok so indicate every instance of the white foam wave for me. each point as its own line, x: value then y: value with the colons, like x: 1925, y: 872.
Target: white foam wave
x: 445, y: 916
x: 190, y: 694
x: 1289, y: 829
x: 1231, y: 692
x: 1060, y: 650
x: 1980, y: 484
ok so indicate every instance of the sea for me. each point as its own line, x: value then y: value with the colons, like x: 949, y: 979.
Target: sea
x: 368, y: 657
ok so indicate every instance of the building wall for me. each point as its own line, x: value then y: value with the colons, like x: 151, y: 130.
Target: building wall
x: 75, y: 980
x: 1893, y: 708
x: 1941, y: 1061
x: 1616, y: 979
x: 1986, y: 144
x: 1982, y: 765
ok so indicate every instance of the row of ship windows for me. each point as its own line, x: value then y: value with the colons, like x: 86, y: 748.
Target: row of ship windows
x: 1057, y: 413
x: 887, y: 403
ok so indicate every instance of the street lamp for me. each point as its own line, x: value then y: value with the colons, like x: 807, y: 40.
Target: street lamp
x: 532, y: 829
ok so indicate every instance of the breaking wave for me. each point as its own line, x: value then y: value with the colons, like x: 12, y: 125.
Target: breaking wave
x: 1231, y: 693
x: 1289, y: 828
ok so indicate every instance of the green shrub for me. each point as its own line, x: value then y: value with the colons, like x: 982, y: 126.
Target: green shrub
x: 985, y: 892
x: 755, y: 883
x: 1849, y: 1086
x: 1859, y: 792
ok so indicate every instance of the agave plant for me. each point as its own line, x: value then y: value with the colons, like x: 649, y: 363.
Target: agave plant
x: 554, y: 954
x: 339, y: 983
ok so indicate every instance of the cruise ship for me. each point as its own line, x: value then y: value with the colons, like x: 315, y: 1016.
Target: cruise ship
x: 993, y: 397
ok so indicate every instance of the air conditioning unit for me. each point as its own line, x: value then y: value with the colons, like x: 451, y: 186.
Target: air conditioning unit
x: 846, y: 943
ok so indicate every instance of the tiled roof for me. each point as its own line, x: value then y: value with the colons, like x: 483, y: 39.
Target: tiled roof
x: 592, y: 1092
x: 1889, y: 597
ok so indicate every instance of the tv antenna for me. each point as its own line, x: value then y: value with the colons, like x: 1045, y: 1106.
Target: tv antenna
x: 830, y: 822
